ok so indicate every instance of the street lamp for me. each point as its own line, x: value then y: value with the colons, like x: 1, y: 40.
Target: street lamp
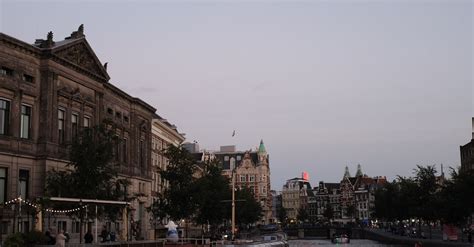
x: 233, y: 204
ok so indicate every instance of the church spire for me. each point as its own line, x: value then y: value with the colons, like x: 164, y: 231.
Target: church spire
x: 261, y: 148
x: 359, y: 171
x: 346, y: 173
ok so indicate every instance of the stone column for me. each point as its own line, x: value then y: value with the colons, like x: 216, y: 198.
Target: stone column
x: 39, y: 221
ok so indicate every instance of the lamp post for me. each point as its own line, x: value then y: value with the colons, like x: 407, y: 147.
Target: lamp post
x: 233, y: 205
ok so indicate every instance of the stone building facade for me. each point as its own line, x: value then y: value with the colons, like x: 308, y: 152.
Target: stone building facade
x: 352, y: 198
x: 163, y: 135
x: 252, y: 170
x: 295, y: 195
x: 49, y: 90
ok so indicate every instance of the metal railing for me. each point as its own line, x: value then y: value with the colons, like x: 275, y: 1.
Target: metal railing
x: 151, y: 243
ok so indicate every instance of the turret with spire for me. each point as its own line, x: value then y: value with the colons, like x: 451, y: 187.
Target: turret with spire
x: 359, y: 171
x: 262, y: 153
x: 346, y: 173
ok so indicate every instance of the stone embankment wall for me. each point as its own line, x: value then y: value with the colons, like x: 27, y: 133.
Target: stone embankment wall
x: 399, y: 240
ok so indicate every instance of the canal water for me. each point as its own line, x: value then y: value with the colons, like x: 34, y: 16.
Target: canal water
x: 324, y: 242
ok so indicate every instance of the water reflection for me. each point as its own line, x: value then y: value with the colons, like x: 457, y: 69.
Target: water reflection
x: 354, y: 242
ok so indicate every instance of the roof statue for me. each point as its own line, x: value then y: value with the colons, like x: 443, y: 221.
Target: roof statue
x: 261, y: 148
x: 50, y: 36
x: 359, y: 171
x: 105, y: 65
x: 48, y: 43
x: 346, y: 173
x: 80, y: 30
x: 77, y: 34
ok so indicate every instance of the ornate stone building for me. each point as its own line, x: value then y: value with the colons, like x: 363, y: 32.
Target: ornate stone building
x: 252, y: 171
x: 352, y: 198
x: 295, y: 195
x: 163, y: 135
x: 49, y: 90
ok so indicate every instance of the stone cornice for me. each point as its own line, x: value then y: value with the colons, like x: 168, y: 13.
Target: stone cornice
x: 20, y: 45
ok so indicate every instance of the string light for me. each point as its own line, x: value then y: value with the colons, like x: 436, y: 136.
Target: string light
x: 65, y: 211
x: 37, y: 206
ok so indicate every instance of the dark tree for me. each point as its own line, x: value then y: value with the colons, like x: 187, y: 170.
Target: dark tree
x: 456, y: 200
x: 350, y: 211
x: 248, y: 210
x: 302, y: 215
x: 282, y: 215
x: 427, y: 199
x: 328, y: 213
x: 387, y: 202
x: 178, y: 198
x: 91, y: 173
x: 213, y: 190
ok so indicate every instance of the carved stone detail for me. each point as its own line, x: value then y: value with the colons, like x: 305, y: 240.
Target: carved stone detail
x: 81, y: 56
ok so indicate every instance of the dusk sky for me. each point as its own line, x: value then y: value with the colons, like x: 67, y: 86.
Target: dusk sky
x: 325, y: 84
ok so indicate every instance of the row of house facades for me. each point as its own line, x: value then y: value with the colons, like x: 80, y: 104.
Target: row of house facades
x: 350, y: 199
x: 357, y: 192
x: 49, y: 91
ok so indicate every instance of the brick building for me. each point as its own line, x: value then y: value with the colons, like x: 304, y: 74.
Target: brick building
x: 251, y: 170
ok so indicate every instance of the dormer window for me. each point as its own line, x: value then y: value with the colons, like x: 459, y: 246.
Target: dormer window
x: 110, y: 111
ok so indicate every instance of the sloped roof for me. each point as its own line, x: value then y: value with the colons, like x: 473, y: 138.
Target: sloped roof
x: 226, y: 163
x: 332, y: 186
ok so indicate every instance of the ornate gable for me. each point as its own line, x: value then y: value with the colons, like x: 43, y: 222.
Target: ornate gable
x: 80, y: 54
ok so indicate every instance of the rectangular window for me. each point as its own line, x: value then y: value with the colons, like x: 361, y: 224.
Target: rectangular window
x: 4, y: 116
x: 62, y: 225
x: 5, y: 225
x: 242, y: 178
x: 61, y: 114
x: 24, y: 176
x: 141, y: 211
x: 117, y: 152
x: 252, y: 178
x: 76, y: 227
x: 74, y: 124
x: 124, y: 150
x: 28, y: 78
x: 141, y: 153
x: 6, y: 71
x: 3, y: 185
x: 25, y: 121
x: 87, y: 122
